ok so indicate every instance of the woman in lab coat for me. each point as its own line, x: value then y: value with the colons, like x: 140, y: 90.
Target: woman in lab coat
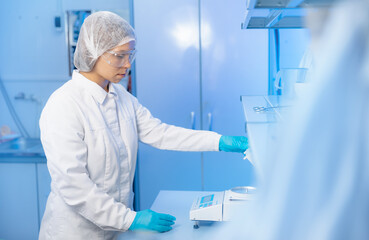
x: 90, y: 128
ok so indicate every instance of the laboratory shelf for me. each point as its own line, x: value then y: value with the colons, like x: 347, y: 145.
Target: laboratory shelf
x: 275, y: 14
x: 251, y: 103
x: 265, y: 109
x: 263, y: 115
x: 280, y: 104
x: 22, y: 150
x: 11, y: 158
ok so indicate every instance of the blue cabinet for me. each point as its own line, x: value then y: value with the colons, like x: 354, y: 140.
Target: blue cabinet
x: 234, y: 63
x: 19, y: 218
x: 24, y: 188
x: 168, y: 84
x: 193, y: 57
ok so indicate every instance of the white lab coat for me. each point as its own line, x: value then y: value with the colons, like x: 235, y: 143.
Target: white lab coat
x: 90, y: 138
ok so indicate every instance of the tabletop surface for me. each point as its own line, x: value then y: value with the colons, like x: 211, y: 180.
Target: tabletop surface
x: 178, y: 204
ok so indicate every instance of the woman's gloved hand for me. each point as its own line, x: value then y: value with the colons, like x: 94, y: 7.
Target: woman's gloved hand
x: 233, y: 144
x: 150, y: 220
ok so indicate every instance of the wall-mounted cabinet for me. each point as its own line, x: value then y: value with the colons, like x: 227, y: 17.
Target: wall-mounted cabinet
x: 279, y: 13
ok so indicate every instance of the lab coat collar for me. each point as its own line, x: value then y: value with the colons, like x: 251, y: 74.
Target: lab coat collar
x: 113, y: 90
x: 97, y: 92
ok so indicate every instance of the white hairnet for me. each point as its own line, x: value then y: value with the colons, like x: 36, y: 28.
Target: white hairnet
x: 100, y: 32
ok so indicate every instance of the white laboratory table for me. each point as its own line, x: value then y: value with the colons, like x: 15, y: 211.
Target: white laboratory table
x: 261, y: 130
x: 178, y: 204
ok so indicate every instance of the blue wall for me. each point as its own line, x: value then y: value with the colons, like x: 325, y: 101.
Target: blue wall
x: 33, y: 54
x: 293, y: 44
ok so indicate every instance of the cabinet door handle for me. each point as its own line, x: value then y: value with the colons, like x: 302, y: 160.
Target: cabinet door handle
x: 210, y: 121
x: 193, y: 120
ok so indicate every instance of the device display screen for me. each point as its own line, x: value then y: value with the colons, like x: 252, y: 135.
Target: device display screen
x: 207, y: 198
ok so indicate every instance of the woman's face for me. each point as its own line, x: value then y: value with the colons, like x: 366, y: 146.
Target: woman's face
x: 114, y: 64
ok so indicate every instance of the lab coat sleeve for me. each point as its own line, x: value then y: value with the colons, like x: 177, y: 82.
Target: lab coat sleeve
x: 62, y: 135
x: 164, y: 136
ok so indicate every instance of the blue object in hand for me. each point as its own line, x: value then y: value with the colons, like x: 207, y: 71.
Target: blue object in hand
x: 150, y: 220
x: 233, y: 144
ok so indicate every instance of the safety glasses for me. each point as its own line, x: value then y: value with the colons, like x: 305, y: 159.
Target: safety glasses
x: 119, y: 59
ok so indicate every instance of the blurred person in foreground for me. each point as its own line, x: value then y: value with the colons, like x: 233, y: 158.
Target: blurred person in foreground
x: 316, y: 186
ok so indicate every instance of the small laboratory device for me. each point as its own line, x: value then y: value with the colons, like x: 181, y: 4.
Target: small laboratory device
x: 220, y: 206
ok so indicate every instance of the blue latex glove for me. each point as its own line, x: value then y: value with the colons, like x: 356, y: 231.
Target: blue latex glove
x: 233, y: 144
x: 150, y: 220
